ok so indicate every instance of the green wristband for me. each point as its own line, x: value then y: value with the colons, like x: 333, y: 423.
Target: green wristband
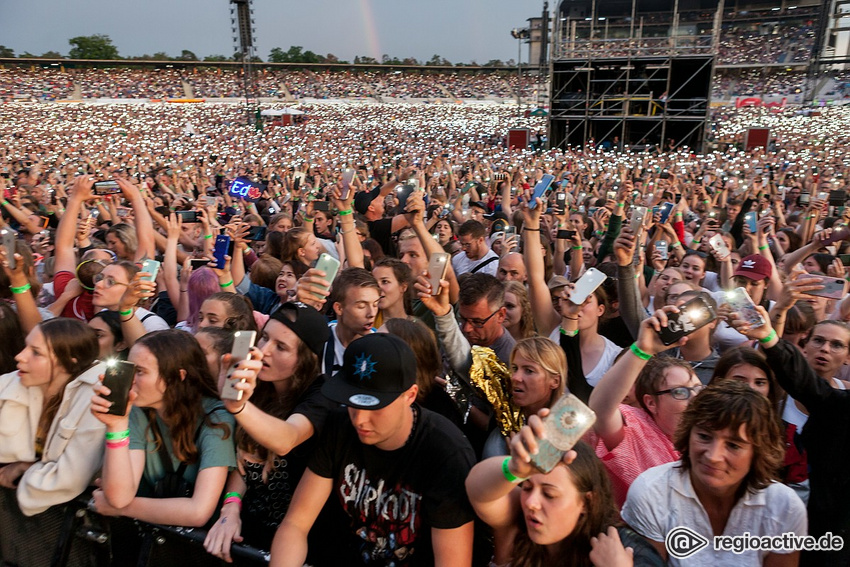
x: 345, y: 212
x: 117, y: 435
x: 126, y: 313
x: 22, y: 289
x: 208, y: 236
x: 224, y: 285
x: 765, y: 247
x: 506, y: 471
x: 769, y: 337
x: 639, y: 353
x: 232, y: 495
x: 577, y: 247
x: 5, y: 202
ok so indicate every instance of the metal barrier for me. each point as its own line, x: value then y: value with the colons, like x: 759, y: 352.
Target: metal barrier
x: 72, y: 535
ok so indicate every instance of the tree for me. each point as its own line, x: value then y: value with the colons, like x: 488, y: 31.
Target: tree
x: 160, y: 56
x: 216, y: 58
x: 187, y: 55
x: 52, y: 55
x: 97, y: 46
x: 365, y: 60
x: 6, y: 51
x: 494, y: 63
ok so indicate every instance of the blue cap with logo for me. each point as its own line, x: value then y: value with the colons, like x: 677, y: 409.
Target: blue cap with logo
x: 376, y: 369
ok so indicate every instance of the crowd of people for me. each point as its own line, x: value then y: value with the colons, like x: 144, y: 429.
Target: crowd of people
x: 52, y: 83
x: 356, y: 363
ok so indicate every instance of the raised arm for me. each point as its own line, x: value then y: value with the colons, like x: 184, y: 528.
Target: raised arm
x: 616, y: 383
x: 65, y: 259
x: 538, y: 292
x: 144, y: 222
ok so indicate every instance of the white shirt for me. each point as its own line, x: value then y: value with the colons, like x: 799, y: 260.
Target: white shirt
x: 462, y: 264
x: 606, y: 361
x: 663, y: 498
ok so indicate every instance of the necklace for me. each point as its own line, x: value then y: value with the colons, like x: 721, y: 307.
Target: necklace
x: 415, y: 411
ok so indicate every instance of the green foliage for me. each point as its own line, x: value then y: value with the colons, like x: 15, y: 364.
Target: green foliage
x: 97, y: 46
x: 6, y: 51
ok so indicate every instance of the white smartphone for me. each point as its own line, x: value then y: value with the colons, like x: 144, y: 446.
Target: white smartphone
x: 151, y: 267
x: 330, y: 266
x: 347, y: 178
x: 638, y: 216
x: 719, y: 245
x: 9, y: 245
x: 663, y: 249
x: 741, y: 303
x: 586, y: 285
x: 242, y: 343
x: 438, y: 264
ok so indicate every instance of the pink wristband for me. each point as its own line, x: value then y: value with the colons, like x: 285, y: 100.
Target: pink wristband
x: 117, y: 444
x: 234, y: 499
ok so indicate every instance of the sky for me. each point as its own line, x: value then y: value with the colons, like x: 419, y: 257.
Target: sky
x: 459, y: 30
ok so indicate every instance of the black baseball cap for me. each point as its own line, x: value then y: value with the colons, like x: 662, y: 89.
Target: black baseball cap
x: 308, y: 324
x: 376, y: 370
x: 363, y: 199
x: 479, y: 204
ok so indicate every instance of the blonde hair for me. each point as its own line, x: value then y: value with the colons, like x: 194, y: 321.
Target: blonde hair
x: 549, y: 356
x: 526, y: 321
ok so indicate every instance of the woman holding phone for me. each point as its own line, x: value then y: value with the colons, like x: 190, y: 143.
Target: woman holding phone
x: 565, y: 517
x: 281, y: 410
x: 174, y: 414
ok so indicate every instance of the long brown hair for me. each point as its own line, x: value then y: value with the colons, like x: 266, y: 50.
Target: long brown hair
x: 590, y: 479
x: 293, y: 240
x: 178, y: 352
x: 422, y: 341
x: 74, y: 346
x: 277, y: 405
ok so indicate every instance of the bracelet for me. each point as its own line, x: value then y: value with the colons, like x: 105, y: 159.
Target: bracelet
x: 224, y: 285
x: 577, y: 247
x: 765, y: 247
x: 707, y: 201
x: 184, y: 291
x: 22, y: 289
x: 345, y: 212
x: 233, y: 499
x: 118, y: 444
x: 5, y: 202
x: 639, y: 353
x: 240, y: 409
x: 677, y: 215
x: 349, y: 231
x: 531, y: 229
x: 117, y: 435
x: 207, y: 236
x: 621, y: 204
x: 769, y: 337
x: 308, y: 219
x: 674, y: 245
x: 569, y: 333
x: 126, y: 313
x: 695, y: 241
x: 229, y: 495
x: 506, y: 471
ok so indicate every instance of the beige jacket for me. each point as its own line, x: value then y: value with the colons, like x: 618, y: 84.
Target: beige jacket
x: 73, y: 452
x: 18, y: 424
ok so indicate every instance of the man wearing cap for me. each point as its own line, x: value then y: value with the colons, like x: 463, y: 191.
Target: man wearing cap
x: 753, y: 274
x: 476, y: 256
x: 370, y: 204
x: 396, y: 470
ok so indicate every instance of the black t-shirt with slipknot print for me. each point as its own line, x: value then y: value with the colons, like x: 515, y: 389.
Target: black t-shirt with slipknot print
x: 393, y: 498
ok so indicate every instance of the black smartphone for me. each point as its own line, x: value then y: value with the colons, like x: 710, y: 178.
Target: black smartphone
x: 692, y: 316
x: 565, y: 234
x: 199, y: 263
x: 257, y: 233
x: 189, y: 216
x: 321, y: 206
x: 845, y: 259
x: 106, y: 188
x: 119, y: 379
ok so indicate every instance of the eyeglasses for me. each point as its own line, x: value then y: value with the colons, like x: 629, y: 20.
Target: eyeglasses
x: 834, y: 346
x: 477, y: 323
x: 682, y: 392
x: 108, y: 281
